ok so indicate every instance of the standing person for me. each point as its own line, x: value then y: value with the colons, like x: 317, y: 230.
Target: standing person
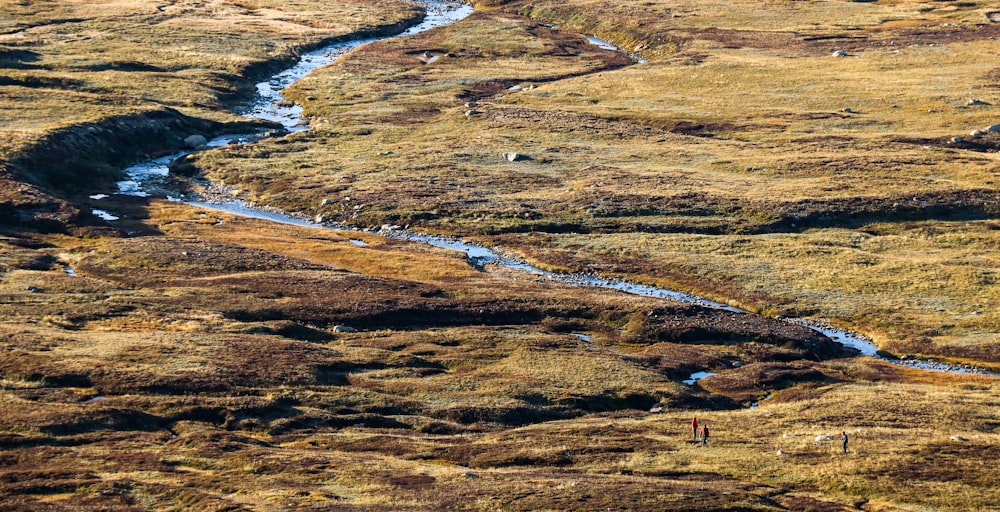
x: 704, y: 435
x: 843, y: 438
x: 694, y: 428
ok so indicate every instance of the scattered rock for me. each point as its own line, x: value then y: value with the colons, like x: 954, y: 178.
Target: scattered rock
x: 34, y: 289
x: 993, y: 16
x: 993, y: 128
x: 959, y: 439
x: 319, y: 219
x: 977, y: 133
x: 823, y: 438
x: 513, y: 156
x: 973, y: 101
x: 469, y: 474
x: 847, y: 110
x: 472, y: 112
x: 325, y: 202
x: 656, y: 410
x: 957, y: 140
x: 195, y: 141
x: 781, y: 452
x: 839, y: 53
x: 344, y: 328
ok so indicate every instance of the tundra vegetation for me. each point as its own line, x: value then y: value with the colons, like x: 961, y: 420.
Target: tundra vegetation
x: 808, y: 158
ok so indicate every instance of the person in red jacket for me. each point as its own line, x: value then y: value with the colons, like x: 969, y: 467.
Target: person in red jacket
x: 704, y: 435
x: 694, y: 428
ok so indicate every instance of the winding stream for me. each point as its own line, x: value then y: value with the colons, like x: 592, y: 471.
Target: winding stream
x: 144, y: 179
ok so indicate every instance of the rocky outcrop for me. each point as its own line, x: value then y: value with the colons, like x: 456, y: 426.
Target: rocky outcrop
x: 195, y: 141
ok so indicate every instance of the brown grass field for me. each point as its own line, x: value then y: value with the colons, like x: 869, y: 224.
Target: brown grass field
x: 181, y: 358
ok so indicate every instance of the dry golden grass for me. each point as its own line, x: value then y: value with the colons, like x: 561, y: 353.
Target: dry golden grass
x: 197, y: 364
x: 924, y: 287
x: 91, y: 68
x: 742, y: 124
x: 152, y: 365
x: 185, y: 55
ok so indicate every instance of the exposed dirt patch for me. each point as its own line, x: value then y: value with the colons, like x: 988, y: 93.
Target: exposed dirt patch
x: 752, y: 382
x: 25, y: 206
x: 748, y: 38
x: 980, y: 145
x: 713, y: 326
x: 149, y: 261
x: 573, y: 122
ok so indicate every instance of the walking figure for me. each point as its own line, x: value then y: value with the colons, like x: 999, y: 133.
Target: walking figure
x: 843, y: 438
x: 694, y: 428
x: 704, y: 435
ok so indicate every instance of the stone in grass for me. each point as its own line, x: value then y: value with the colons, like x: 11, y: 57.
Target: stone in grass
x: 839, y: 53
x: 993, y: 128
x: 513, y: 156
x: 344, y: 328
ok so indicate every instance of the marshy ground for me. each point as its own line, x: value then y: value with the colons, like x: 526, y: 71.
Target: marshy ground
x: 182, y: 358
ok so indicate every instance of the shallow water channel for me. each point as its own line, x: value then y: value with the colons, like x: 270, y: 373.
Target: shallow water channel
x: 143, y: 179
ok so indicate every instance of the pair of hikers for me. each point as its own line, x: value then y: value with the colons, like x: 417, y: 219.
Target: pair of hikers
x: 695, y: 434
